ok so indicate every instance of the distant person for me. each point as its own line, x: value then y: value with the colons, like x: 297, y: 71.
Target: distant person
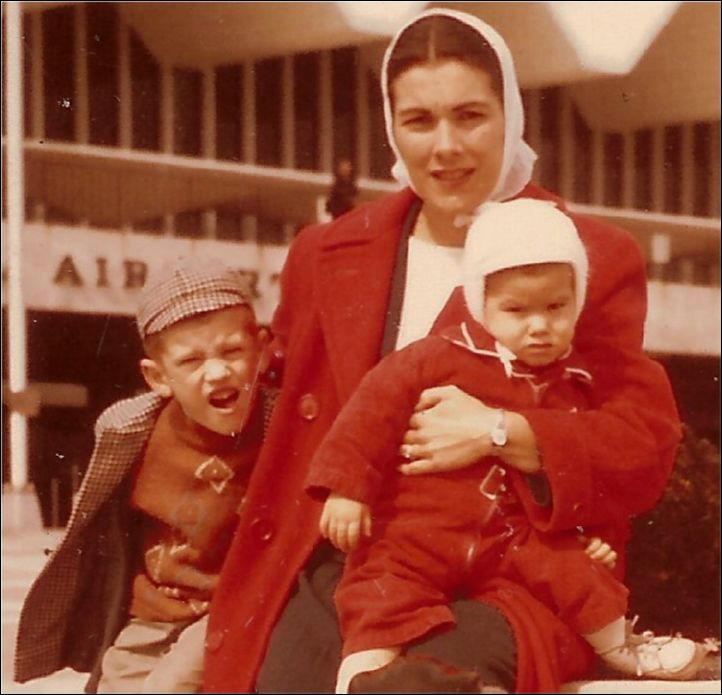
x: 344, y: 191
x: 126, y: 593
x: 413, y: 542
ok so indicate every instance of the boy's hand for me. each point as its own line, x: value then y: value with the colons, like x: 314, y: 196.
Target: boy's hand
x: 173, y: 566
x: 600, y: 551
x: 343, y: 521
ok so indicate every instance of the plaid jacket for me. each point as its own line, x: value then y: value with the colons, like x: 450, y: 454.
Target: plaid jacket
x: 79, y: 602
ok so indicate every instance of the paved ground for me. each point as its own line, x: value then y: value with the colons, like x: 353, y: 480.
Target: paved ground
x: 22, y: 559
x: 23, y: 556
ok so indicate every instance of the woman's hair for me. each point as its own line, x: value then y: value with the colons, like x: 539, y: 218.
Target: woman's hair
x: 436, y: 38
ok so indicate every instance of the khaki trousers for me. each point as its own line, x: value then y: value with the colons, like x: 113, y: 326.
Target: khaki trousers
x: 155, y: 657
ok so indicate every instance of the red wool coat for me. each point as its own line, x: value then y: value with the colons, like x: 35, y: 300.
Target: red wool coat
x: 335, y: 291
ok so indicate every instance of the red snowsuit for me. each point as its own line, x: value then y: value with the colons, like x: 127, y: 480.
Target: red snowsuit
x: 436, y: 536
x: 335, y: 292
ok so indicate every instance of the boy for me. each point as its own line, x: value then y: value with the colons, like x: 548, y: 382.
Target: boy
x: 435, y: 535
x: 126, y: 593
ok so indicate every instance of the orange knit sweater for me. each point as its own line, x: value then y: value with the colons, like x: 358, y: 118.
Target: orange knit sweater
x: 187, y: 491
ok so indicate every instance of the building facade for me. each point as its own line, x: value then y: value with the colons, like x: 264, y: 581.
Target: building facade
x: 147, y: 134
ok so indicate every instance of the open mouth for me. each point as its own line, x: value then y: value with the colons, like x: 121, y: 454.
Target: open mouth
x: 224, y: 399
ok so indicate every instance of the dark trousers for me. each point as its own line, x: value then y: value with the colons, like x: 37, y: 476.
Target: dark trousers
x: 304, y: 651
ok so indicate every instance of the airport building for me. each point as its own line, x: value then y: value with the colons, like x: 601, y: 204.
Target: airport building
x: 154, y: 129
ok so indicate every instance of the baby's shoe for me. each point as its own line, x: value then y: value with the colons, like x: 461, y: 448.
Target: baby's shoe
x: 666, y: 658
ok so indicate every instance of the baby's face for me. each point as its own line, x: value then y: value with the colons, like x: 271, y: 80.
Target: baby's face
x: 210, y: 363
x: 532, y: 311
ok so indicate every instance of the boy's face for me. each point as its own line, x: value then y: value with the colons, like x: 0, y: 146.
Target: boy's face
x: 532, y: 310
x: 209, y: 363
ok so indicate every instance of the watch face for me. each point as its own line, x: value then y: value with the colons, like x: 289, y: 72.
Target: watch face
x: 498, y: 437
x: 498, y: 433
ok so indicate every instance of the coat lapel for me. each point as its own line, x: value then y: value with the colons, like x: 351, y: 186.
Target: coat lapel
x: 352, y: 280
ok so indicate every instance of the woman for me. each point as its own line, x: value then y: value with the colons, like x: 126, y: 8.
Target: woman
x: 374, y: 281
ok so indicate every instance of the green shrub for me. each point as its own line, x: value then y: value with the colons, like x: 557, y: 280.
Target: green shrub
x: 673, y: 566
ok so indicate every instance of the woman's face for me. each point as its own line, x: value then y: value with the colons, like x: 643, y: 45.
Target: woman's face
x: 448, y: 126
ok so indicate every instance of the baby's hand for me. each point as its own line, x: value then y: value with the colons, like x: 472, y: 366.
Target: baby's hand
x: 344, y: 520
x: 600, y: 551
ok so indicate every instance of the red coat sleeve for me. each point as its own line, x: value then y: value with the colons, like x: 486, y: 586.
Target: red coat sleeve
x: 614, y: 460
x: 361, y: 447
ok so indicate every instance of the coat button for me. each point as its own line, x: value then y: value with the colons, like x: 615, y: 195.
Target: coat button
x: 308, y: 406
x: 214, y: 640
x: 262, y: 530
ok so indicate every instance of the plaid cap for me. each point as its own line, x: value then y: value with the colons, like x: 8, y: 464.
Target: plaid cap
x: 187, y: 287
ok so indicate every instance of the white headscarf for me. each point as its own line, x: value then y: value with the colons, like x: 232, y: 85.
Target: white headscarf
x: 519, y: 158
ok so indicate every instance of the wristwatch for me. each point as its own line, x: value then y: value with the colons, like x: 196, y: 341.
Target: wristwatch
x: 498, y: 433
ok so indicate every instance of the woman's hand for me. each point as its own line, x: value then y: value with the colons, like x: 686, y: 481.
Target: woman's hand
x: 343, y: 521
x: 450, y: 429
x: 600, y: 551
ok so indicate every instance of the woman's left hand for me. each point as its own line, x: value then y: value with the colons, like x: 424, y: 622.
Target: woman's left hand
x: 449, y: 430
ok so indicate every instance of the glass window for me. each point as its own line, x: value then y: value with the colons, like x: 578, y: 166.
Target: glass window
x: 189, y: 224
x: 145, y: 81
x: 702, y: 156
x: 229, y: 222
x: 582, y: 185
x: 187, y: 105
x: 343, y: 81
x: 381, y: 158
x: 229, y: 85
x: 305, y: 106
x: 28, y: 49
x: 102, y: 56
x: 59, y: 73
x: 715, y: 189
x: 151, y: 225
x: 643, y: 169
x: 268, y: 112
x: 271, y: 232
x: 550, y: 109
x: 673, y: 169
x: 613, y: 156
